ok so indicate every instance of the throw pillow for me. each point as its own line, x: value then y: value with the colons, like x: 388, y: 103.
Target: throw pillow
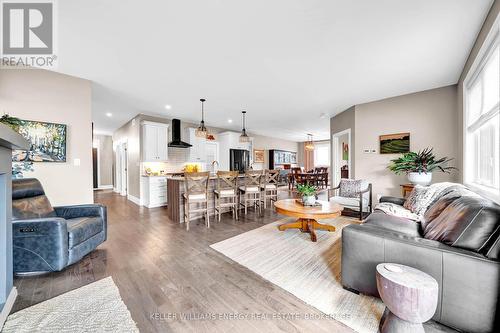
x: 350, y: 188
x: 396, y: 210
x: 419, y: 199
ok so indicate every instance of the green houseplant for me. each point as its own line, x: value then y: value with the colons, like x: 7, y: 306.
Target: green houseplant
x: 420, y: 165
x: 308, y: 193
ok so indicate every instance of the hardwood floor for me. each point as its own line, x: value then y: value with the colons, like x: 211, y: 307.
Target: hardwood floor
x: 163, y: 270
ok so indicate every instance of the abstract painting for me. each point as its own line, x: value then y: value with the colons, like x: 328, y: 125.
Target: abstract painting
x: 395, y: 143
x: 47, y: 141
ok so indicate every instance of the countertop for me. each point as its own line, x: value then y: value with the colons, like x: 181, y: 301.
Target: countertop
x: 212, y: 177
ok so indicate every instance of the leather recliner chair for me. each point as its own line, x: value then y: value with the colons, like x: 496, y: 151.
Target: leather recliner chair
x: 457, y: 243
x: 47, y: 238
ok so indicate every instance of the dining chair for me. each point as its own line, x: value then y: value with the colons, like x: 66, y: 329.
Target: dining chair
x: 196, y: 193
x: 226, y: 192
x: 269, y: 187
x: 250, y: 190
x: 291, y: 177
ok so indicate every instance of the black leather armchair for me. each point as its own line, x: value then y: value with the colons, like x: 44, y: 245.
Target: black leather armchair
x: 47, y: 238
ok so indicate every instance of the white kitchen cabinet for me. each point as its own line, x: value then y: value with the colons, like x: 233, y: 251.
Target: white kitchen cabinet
x: 231, y: 140
x: 212, y: 154
x: 154, y: 191
x: 154, y: 142
x: 197, y: 150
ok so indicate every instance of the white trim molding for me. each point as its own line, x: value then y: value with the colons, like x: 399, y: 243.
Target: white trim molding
x: 105, y: 187
x: 135, y: 200
x: 9, y: 303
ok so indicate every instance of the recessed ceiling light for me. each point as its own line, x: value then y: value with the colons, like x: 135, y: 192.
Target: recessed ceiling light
x: 168, y: 107
x: 109, y: 114
x: 230, y: 121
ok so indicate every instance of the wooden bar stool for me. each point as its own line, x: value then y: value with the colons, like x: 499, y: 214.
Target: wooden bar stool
x: 196, y: 192
x: 250, y: 191
x: 270, y: 187
x: 226, y: 192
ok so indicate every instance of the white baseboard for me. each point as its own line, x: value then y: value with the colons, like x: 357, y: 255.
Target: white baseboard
x: 9, y: 303
x: 105, y: 187
x: 135, y: 200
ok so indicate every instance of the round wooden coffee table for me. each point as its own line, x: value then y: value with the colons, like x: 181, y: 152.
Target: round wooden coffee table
x: 307, y: 215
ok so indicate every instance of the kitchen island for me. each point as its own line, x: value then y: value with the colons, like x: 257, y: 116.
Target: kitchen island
x: 176, y: 189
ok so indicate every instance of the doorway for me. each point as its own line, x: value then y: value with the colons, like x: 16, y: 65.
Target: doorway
x: 121, y: 169
x: 95, y: 168
x: 341, y: 156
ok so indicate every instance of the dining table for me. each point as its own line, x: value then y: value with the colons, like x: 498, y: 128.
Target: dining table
x: 309, y: 178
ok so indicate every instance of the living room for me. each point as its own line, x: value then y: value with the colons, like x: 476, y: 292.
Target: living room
x: 165, y: 194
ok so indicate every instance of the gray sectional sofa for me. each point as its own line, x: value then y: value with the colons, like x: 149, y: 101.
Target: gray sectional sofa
x: 457, y: 242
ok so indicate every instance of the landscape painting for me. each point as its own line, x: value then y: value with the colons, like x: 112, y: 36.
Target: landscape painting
x: 47, y: 142
x: 395, y: 143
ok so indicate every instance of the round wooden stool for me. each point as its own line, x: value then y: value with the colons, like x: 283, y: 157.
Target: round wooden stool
x: 410, y: 295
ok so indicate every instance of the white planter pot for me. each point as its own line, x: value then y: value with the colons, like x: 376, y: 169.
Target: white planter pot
x: 309, y: 200
x: 417, y: 178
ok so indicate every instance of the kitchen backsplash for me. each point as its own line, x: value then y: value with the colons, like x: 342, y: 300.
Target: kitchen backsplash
x: 177, y: 158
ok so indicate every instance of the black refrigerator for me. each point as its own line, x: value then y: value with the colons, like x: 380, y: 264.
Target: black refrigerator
x: 239, y: 160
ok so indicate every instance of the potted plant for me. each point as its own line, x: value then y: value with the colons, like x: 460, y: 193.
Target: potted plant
x: 308, y: 193
x: 419, y: 166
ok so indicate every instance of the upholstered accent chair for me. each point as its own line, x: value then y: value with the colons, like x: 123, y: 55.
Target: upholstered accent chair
x: 47, y: 238
x: 354, y: 195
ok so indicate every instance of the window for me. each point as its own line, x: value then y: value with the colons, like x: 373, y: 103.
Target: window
x: 482, y: 121
x: 322, y: 154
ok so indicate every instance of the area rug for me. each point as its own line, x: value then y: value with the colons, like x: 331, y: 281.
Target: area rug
x: 96, y: 307
x: 310, y: 271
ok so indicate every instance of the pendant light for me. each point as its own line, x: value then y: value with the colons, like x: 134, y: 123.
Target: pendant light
x: 201, y: 131
x: 309, y: 144
x: 244, y: 137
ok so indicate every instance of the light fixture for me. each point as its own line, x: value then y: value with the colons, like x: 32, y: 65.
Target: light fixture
x: 109, y: 114
x: 168, y: 106
x: 309, y: 144
x: 230, y: 121
x: 201, y: 131
x: 244, y: 137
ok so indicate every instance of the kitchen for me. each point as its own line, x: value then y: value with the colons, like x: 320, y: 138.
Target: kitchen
x: 160, y: 148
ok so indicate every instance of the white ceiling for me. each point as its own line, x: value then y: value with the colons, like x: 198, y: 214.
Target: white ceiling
x: 285, y: 61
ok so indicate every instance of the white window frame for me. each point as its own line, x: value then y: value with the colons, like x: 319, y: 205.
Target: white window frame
x: 490, y: 43
x: 322, y: 144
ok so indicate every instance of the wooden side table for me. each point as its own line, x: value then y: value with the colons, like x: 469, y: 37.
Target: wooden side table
x: 406, y: 189
x: 410, y: 295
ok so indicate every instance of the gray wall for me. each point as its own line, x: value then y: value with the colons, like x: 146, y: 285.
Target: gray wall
x: 339, y: 123
x: 490, y: 19
x: 43, y: 95
x: 429, y: 116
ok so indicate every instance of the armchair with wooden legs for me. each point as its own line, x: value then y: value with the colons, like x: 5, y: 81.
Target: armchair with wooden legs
x: 354, y: 195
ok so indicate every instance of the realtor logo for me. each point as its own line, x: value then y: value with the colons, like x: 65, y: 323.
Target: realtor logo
x: 28, y: 33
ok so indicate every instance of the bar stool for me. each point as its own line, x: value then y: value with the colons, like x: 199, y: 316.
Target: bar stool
x: 250, y: 191
x: 196, y: 192
x: 270, y: 187
x: 226, y: 192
